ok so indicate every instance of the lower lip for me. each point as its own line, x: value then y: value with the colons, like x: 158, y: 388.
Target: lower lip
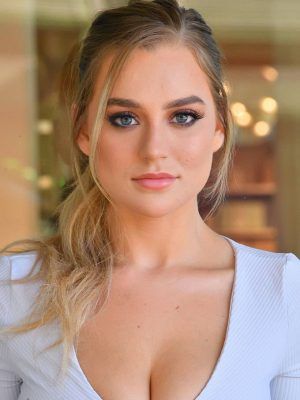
x: 155, y: 183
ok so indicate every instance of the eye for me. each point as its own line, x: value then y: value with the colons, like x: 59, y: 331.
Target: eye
x: 185, y: 115
x: 125, y: 118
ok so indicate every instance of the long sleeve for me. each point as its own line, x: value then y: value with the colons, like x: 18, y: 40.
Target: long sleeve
x: 9, y: 382
x: 286, y: 385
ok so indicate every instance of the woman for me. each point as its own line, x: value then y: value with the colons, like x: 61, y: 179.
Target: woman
x: 137, y: 294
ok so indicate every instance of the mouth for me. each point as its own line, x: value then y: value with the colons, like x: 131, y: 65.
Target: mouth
x: 155, y: 183
x: 160, y: 175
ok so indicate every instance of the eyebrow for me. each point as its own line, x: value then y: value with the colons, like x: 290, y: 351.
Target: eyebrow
x: 174, y: 103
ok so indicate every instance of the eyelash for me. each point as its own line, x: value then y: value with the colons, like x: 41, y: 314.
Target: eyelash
x: 111, y: 118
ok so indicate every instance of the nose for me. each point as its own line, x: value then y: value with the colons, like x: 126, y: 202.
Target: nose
x: 154, y: 143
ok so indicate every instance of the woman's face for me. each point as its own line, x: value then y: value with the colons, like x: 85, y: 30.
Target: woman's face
x: 153, y: 136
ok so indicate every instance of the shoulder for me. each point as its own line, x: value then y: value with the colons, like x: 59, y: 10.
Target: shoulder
x: 292, y: 284
x: 282, y: 266
x: 289, y: 262
x: 16, y: 298
x: 292, y: 265
x: 16, y: 266
x: 259, y: 258
x: 276, y: 273
x: 273, y: 278
x: 290, y: 367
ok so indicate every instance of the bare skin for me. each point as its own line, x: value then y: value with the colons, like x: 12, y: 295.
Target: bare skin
x: 162, y: 331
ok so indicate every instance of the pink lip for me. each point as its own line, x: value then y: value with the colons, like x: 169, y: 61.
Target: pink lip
x: 155, y: 183
x: 155, y: 176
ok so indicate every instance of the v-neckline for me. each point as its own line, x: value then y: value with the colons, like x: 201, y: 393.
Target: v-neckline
x: 220, y: 360
x: 235, y: 246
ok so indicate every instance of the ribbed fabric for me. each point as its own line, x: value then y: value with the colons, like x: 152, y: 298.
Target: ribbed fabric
x: 260, y: 359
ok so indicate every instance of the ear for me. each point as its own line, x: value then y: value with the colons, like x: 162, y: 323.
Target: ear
x: 83, y: 138
x: 219, y: 137
x: 83, y: 141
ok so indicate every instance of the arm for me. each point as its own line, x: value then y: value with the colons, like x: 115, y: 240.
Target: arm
x: 9, y: 382
x: 286, y: 385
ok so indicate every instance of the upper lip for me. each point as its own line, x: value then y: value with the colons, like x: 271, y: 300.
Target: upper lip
x: 155, y: 176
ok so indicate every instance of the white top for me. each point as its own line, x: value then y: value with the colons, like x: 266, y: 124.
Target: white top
x: 260, y: 358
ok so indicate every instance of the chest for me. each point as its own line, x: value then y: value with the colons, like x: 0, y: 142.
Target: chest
x: 158, y: 339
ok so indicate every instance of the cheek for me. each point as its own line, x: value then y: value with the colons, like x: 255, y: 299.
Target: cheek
x: 113, y: 159
x: 197, y: 153
x: 196, y: 162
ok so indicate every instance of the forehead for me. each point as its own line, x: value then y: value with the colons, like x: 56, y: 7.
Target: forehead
x: 168, y: 69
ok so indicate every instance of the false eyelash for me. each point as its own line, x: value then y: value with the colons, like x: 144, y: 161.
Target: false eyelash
x: 192, y: 113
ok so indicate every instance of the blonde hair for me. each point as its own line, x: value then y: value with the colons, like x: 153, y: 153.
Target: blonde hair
x: 76, y: 263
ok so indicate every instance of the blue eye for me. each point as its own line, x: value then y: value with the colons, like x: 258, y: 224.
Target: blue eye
x: 126, y: 117
x: 186, y: 115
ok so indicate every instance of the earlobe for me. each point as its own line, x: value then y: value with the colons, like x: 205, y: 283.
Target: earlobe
x: 218, y: 140
x: 83, y: 142
x: 82, y: 139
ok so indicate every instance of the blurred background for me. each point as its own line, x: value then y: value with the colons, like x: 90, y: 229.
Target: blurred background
x: 261, y: 44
